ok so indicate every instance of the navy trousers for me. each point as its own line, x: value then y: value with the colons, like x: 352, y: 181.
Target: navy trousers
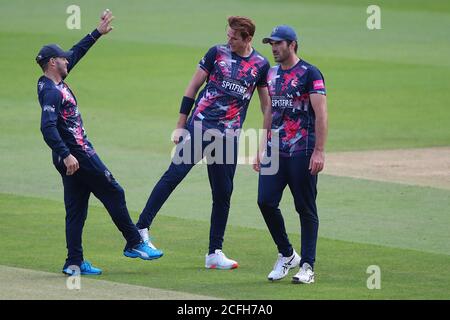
x: 92, y: 177
x: 220, y: 179
x: 293, y: 172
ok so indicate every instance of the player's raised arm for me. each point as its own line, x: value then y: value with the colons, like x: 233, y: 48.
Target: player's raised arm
x: 80, y: 49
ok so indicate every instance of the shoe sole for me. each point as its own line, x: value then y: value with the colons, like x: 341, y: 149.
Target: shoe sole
x: 83, y: 274
x: 234, y: 266
x: 143, y: 258
x: 278, y: 279
x: 91, y: 274
x: 297, y: 281
x: 293, y: 266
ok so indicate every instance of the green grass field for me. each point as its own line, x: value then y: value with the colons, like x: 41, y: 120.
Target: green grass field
x: 387, y: 89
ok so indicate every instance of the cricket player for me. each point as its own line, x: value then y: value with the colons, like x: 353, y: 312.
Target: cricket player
x: 231, y: 71
x: 299, y: 119
x: 75, y: 158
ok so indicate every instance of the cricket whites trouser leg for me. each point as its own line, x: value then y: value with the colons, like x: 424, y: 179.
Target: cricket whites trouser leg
x: 270, y: 191
x: 170, y: 180
x: 103, y: 185
x: 303, y: 186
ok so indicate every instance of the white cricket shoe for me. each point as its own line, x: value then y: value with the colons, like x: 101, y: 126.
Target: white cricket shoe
x: 305, y: 275
x: 146, y: 238
x: 283, y: 265
x: 218, y: 260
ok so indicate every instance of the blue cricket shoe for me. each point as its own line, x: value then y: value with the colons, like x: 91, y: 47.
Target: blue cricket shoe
x: 86, y: 269
x: 144, y: 251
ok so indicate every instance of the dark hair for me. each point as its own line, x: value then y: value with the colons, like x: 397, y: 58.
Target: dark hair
x: 244, y: 25
x: 296, y: 44
x: 43, y: 64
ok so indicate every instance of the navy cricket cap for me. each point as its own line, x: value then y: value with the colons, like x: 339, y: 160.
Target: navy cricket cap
x: 51, y: 51
x: 281, y: 33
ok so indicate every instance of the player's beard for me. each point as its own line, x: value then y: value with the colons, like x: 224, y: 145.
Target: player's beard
x: 281, y: 56
x: 61, y: 67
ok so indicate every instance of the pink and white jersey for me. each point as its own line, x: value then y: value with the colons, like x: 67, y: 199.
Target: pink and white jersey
x: 232, y: 79
x: 293, y: 117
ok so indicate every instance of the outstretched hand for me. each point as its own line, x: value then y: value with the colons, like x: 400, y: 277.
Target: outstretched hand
x: 104, y: 26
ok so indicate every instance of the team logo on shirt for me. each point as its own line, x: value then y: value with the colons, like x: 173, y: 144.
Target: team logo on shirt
x: 233, y: 86
x: 282, y: 102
